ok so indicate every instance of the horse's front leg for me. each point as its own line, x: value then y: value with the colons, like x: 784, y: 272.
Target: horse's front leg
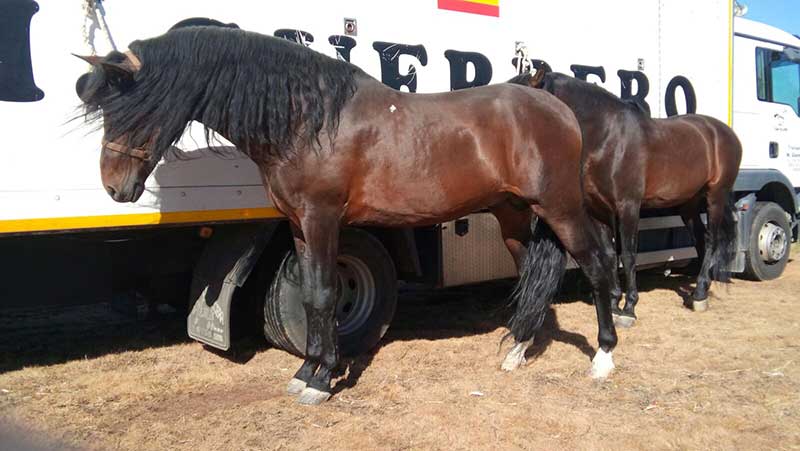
x: 317, y: 247
x: 628, y: 224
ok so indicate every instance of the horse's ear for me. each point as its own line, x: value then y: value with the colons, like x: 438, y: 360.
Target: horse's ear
x: 119, y: 75
x: 91, y: 59
x: 537, y: 79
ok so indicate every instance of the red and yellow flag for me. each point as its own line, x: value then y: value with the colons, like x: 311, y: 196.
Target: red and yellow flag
x: 484, y: 7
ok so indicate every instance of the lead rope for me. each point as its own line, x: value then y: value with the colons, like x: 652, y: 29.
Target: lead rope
x: 92, y: 23
x: 523, y: 61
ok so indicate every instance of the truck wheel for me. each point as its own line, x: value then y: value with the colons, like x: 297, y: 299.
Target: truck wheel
x: 366, y: 297
x: 770, y: 241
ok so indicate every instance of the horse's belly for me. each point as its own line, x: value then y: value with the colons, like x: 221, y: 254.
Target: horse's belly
x: 418, y: 203
x: 673, y: 188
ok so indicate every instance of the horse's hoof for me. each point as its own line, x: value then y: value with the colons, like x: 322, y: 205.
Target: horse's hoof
x: 602, y: 365
x: 313, y: 397
x: 513, y: 360
x: 624, y: 321
x: 516, y: 356
x: 700, y: 306
x: 295, y: 386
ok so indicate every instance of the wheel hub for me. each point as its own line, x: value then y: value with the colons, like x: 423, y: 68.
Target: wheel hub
x: 355, y: 294
x: 772, y: 242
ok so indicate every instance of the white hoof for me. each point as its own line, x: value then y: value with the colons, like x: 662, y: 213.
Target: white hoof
x: 516, y: 356
x: 602, y: 365
x: 624, y: 321
x: 700, y: 306
x: 312, y: 397
x: 295, y: 386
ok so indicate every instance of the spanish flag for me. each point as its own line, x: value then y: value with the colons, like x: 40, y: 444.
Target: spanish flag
x: 484, y: 7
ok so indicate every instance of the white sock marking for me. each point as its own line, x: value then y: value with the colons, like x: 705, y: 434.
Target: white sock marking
x: 516, y: 356
x: 602, y: 364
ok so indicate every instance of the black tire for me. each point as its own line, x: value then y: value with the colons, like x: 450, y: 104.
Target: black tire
x: 770, y: 242
x: 365, y: 307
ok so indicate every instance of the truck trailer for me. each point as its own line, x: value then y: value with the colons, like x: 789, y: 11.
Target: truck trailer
x: 205, y: 234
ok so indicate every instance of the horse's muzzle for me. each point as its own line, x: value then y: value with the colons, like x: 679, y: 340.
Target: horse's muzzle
x: 128, y: 195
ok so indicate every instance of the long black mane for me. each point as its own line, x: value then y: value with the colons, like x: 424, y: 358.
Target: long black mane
x: 581, y: 96
x: 269, y: 96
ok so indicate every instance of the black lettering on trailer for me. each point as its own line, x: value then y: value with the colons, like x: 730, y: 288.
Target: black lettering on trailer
x: 688, y: 95
x: 458, y: 69
x: 390, y: 63
x: 298, y: 36
x: 642, y: 87
x: 582, y: 72
x: 16, y: 71
x: 343, y: 45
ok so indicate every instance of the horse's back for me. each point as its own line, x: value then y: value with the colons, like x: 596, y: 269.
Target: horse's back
x: 462, y: 150
x: 689, y: 154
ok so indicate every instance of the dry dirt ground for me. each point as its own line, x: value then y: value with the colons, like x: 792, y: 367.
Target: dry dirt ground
x: 728, y: 378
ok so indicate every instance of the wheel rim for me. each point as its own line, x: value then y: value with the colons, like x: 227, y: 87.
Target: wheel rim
x: 772, y: 243
x: 355, y: 294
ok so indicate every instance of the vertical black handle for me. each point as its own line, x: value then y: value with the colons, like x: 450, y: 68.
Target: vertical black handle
x: 773, y: 149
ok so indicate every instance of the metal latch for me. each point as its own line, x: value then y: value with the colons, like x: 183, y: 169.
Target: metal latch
x: 350, y: 27
x: 773, y: 149
x: 462, y: 226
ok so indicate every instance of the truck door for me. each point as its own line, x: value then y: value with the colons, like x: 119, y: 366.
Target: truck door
x: 778, y: 88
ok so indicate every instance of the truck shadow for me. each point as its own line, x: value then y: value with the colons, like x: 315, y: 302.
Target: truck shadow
x: 54, y: 335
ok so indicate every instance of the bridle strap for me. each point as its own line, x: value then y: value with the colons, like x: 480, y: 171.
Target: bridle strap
x: 138, y: 153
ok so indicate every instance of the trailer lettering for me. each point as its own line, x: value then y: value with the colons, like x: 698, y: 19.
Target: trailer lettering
x: 642, y: 87
x: 458, y: 69
x: 459, y: 61
x: 688, y: 94
x: 298, y: 36
x: 390, y: 64
x: 343, y: 46
x: 582, y: 72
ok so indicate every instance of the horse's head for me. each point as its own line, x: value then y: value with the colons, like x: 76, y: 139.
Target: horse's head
x: 127, y: 158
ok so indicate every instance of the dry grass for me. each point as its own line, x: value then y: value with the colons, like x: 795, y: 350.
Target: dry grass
x: 725, y: 379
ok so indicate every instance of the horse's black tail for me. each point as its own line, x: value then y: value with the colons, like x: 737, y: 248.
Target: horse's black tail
x: 539, y: 281
x: 723, y: 243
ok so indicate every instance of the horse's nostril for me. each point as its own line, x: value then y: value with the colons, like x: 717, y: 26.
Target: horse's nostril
x: 111, y: 191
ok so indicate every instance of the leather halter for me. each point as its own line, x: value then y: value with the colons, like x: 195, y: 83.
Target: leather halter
x: 137, y: 152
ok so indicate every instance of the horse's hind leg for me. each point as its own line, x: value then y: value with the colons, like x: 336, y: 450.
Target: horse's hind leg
x: 606, y: 234
x: 629, y: 242
x: 578, y: 234
x: 317, y: 246
x: 580, y: 237
x: 690, y: 213
x: 515, y: 219
x: 719, y: 239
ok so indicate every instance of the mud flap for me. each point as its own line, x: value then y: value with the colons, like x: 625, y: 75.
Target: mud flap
x: 225, y: 264
x: 744, y: 220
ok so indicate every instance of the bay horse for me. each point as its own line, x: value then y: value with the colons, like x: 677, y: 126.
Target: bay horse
x: 336, y: 147
x: 632, y: 162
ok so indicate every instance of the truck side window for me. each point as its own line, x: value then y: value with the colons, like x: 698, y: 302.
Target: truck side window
x: 16, y: 72
x: 778, y: 78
